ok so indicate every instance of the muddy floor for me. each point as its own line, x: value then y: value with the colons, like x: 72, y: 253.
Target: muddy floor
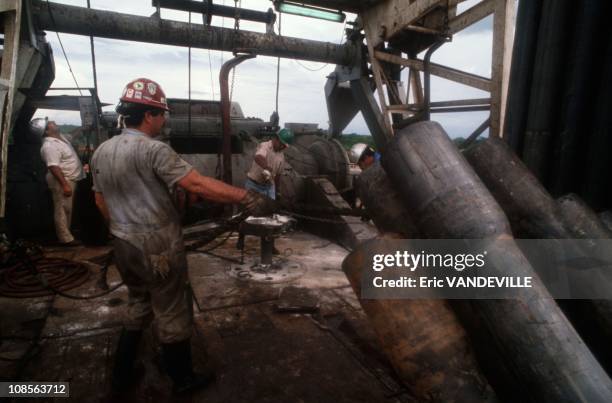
x: 294, y: 333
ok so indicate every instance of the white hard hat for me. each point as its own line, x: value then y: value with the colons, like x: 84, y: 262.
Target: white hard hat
x: 357, y: 151
x: 38, y: 126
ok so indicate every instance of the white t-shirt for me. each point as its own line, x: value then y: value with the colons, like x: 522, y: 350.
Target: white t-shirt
x: 274, y: 159
x: 59, y: 153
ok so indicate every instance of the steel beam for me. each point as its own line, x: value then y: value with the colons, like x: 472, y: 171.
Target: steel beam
x: 472, y: 80
x: 386, y: 19
x: 471, y: 16
x: 108, y: 24
x: 503, y: 38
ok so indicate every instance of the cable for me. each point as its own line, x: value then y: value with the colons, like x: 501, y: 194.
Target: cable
x: 212, y: 81
x: 42, y: 276
x: 278, y: 64
x: 326, y: 64
x: 62, y: 46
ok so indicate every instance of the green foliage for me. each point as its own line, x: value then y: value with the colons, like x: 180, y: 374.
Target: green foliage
x: 67, y: 128
x: 347, y: 140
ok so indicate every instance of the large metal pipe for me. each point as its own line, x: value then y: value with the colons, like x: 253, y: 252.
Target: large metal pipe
x: 388, y: 213
x: 533, y: 213
x: 553, y: 33
x: 523, y: 54
x: 580, y: 220
x: 527, y: 341
x: 225, y: 113
x: 422, y: 339
x: 529, y: 207
x: 108, y: 24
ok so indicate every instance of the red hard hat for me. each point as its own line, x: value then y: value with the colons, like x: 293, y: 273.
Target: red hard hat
x: 146, y: 92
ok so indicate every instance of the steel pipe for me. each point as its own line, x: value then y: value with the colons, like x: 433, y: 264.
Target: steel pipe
x: 108, y: 24
x: 527, y: 341
x: 423, y: 339
x: 208, y: 8
x: 533, y: 213
x: 225, y: 113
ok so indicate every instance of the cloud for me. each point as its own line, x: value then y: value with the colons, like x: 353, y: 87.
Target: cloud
x: 301, y: 93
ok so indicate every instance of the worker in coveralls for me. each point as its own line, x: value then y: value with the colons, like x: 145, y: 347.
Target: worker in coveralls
x: 264, y: 175
x: 133, y: 175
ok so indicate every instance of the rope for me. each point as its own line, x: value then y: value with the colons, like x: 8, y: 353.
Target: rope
x: 62, y: 46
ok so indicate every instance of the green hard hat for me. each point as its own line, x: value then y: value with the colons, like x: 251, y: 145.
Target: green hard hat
x: 285, y: 136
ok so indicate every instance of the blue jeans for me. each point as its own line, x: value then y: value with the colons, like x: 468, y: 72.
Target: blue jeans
x: 268, y: 190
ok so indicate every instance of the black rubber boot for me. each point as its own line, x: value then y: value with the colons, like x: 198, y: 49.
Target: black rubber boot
x: 177, y: 360
x: 127, y: 350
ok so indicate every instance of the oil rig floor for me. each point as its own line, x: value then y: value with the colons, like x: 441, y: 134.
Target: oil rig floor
x: 291, y: 336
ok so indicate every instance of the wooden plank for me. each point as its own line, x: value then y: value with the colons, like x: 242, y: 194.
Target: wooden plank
x: 471, y: 16
x: 387, y: 19
x: 503, y: 37
x: 448, y: 73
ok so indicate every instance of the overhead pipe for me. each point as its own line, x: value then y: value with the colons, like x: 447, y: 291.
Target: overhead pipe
x: 525, y: 341
x: 225, y: 113
x: 108, y: 24
x: 208, y: 8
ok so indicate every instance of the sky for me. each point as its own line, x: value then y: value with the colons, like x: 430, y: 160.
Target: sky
x: 301, y: 95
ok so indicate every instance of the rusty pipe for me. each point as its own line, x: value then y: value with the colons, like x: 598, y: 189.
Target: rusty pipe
x: 225, y: 113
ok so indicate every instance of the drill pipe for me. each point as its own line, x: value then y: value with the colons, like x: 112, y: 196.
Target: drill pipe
x: 533, y: 213
x: 527, y: 341
x: 423, y: 339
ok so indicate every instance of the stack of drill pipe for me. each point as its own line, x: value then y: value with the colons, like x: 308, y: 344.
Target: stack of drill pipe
x: 388, y: 213
x: 580, y: 220
x: 533, y: 213
x: 593, y: 318
x: 527, y: 347
x: 423, y: 339
x: 606, y: 219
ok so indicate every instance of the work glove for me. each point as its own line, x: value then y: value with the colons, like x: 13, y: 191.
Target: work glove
x: 267, y: 175
x: 257, y: 204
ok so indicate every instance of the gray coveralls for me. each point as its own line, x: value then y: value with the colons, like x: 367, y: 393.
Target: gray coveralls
x: 134, y: 174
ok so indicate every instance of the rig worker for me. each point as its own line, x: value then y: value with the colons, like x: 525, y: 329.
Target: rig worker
x: 264, y: 175
x: 65, y: 169
x: 363, y: 155
x: 133, y: 174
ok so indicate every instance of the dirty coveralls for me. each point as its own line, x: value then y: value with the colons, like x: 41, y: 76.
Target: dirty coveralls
x: 135, y: 173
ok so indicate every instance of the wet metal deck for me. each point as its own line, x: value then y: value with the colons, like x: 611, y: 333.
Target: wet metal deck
x: 259, y: 354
